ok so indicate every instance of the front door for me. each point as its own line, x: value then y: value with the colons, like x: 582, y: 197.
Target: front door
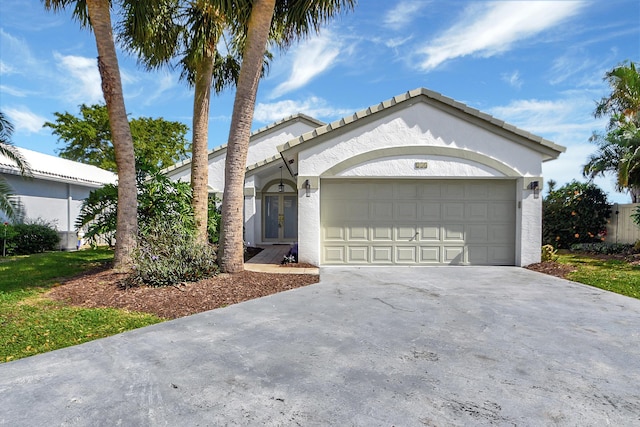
x: 280, y: 217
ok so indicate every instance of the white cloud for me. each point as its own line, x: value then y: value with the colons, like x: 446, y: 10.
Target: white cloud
x: 492, y: 28
x: 162, y: 85
x: 402, y: 14
x: 309, y: 60
x: 25, y: 120
x: 313, y: 106
x: 6, y: 68
x: 83, y: 81
x: 13, y: 91
x: 513, y: 79
x: 567, y: 121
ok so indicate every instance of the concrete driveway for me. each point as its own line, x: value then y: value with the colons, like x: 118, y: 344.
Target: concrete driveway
x: 364, y: 347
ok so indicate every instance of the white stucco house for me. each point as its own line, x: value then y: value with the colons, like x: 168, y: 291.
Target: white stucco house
x: 419, y: 179
x: 56, y: 191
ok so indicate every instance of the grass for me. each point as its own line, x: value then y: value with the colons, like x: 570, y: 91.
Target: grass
x: 610, y: 274
x: 32, y: 324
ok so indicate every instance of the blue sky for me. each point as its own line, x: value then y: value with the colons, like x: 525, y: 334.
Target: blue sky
x: 536, y: 64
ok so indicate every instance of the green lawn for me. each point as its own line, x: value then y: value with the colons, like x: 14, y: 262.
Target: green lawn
x: 31, y: 324
x: 612, y: 275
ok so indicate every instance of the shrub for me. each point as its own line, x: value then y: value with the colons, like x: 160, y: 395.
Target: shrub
x: 31, y: 238
x: 168, y: 254
x: 603, y: 248
x: 575, y: 213
x: 549, y: 253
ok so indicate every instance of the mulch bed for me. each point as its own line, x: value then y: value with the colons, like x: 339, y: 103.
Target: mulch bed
x: 103, y: 289
x: 552, y: 268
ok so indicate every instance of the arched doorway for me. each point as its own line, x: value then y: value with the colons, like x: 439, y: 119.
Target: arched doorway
x: 280, y: 214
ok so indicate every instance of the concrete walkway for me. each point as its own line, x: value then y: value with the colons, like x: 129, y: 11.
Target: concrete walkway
x: 443, y: 346
x: 269, y: 261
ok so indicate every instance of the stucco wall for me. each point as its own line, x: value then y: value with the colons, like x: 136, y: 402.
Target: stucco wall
x: 57, y: 203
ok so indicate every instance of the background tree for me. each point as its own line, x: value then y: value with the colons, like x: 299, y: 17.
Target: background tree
x: 96, y: 15
x: 189, y: 32
x: 574, y: 213
x: 87, y: 138
x: 618, y: 149
x: 282, y: 21
x: 8, y: 205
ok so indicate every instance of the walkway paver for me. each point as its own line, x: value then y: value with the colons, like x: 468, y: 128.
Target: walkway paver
x: 269, y: 261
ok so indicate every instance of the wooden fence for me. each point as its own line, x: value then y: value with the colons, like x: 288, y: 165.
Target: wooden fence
x: 621, y: 228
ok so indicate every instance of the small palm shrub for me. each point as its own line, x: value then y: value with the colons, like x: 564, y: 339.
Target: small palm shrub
x: 549, y: 253
x: 168, y: 254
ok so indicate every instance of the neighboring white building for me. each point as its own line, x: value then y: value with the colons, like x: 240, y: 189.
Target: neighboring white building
x: 56, y: 190
x: 419, y: 179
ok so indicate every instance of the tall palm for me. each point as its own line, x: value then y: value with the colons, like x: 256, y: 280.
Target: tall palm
x: 9, y: 206
x: 618, y: 150
x: 97, y: 15
x: 158, y: 31
x: 283, y: 21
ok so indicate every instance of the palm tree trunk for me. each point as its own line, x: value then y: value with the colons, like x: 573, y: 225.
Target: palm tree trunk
x: 127, y: 220
x: 199, y: 146
x: 231, y: 248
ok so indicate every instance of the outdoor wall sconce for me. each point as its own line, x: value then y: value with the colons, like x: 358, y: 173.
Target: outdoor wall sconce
x: 281, y: 185
x: 535, y: 186
x: 307, y: 187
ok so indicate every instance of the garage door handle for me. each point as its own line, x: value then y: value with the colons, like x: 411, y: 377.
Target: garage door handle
x: 415, y: 237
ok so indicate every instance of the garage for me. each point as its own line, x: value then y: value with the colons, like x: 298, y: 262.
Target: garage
x: 418, y: 221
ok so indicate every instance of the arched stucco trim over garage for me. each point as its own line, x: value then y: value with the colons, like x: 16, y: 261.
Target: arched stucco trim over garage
x: 473, y: 156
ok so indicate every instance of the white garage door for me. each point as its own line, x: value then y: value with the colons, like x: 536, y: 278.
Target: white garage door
x: 418, y: 221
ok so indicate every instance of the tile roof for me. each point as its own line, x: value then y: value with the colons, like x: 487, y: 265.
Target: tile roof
x: 45, y: 166
x: 254, y: 134
x: 430, y: 95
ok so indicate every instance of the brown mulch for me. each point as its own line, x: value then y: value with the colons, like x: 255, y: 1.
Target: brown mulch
x: 552, y: 268
x: 103, y: 289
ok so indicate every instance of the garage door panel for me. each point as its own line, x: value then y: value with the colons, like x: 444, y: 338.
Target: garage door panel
x: 382, y: 211
x: 477, y: 211
x: 501, y: 255
x: 382, y: 233
x: 334, y: 254
x: 406, y: 190
x: 500, y: 233
x: 502, y: 211
x: 358, y: 254
x: 453, y: 232
x: 430, y: 233
x: 453, y: 211
x: 357, y: 232
x: 430, y: 212
x: 333, y: 233
x: 382, y: 254
x: 430, y: 254
x: 357, y: 209
x: 477, y: 233
x: 478, y: 255
x: 406, y: 233
x: 406, y: 254
x: 406, y: 211
x: 453, y: 254
x: 418, y: 221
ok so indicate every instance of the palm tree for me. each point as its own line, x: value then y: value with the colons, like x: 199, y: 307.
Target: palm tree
x: 159, y: 31
x: 8, y: 206
x: 97, y: 15
x: 283, y: 21
x: 618, y: 150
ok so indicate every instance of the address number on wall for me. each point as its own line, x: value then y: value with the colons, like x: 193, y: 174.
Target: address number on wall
x: 421, y: 165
